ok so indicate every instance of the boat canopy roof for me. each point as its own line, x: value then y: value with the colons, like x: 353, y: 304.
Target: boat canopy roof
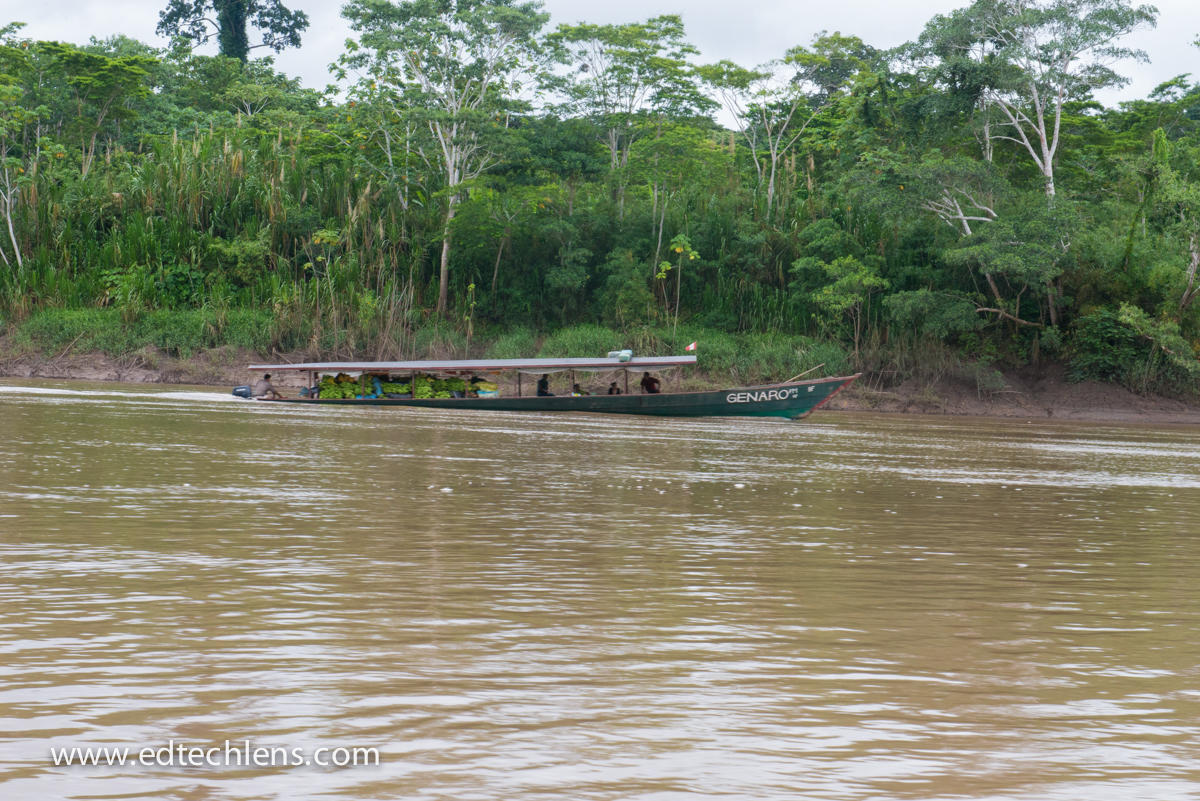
x: 637, y: 364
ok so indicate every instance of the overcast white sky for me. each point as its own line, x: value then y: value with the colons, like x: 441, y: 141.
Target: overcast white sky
x: 748, y: 32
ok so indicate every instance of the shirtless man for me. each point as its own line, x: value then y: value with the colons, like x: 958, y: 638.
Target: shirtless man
x: 263, y: 388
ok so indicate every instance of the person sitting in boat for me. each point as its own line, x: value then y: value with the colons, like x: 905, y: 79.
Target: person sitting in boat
x: 650, y: 384
x: 613, y: 389
x: 543, y: 386
x: 576, y: 392
x: 263, y: 388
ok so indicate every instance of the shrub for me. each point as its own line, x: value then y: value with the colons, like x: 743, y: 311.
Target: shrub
x: 1128, y: 347
x: 832, y: 355
x: 518, y: 344
x: 582, y: 341
x: 777, y: 357
x: 1102, y: 347
x: 716, y: 351
x: 54, y: 330
x: 243, y: 328
x: 938, y: 315
x: 748, y: 357
x: 179, y: 333
x: 438, y: 341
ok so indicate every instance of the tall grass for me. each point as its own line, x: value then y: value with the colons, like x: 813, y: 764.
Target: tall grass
x: 213, y: 220
x: 179, y: 333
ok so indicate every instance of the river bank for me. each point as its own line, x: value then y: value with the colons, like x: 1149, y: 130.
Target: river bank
x: 1032, y: 393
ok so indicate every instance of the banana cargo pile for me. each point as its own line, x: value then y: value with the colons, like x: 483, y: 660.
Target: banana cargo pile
x: 340, y: 386
x: 426, y: 386
x: 343, y: 386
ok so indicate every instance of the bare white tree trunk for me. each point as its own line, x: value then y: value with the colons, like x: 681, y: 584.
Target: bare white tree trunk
x: 8, y: 196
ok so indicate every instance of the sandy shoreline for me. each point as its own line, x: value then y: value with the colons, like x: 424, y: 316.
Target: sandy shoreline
x: 1030, y: 393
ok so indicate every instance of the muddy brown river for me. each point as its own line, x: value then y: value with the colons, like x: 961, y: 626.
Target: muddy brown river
x: 507, y: 606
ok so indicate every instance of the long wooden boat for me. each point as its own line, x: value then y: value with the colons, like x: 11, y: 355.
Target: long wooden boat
x: 789, y: 399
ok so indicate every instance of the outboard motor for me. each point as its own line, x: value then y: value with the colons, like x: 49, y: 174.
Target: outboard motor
x: 243, y: 391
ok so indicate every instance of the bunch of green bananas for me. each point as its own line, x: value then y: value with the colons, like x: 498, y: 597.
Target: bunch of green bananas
x: 339, y: 387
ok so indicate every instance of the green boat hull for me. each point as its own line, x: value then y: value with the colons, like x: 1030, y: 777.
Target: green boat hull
x: 789, y: 400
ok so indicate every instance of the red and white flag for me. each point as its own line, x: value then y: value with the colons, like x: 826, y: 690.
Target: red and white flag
x: 691, y: 346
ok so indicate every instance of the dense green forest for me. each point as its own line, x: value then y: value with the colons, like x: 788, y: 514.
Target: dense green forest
x: 478, y: 179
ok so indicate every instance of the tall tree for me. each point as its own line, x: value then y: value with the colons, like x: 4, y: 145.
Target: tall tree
x: 454, y: 65
x: 1176, y: 201
x: 101, y: 89
x: 677, y: 158
x: 620, y: 74
x: 852, y: 282
x: 1028, y: 58
x: 1025, y: 249
x: 14, y: 118
x: 773, y: 104
x: 228, y: 20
